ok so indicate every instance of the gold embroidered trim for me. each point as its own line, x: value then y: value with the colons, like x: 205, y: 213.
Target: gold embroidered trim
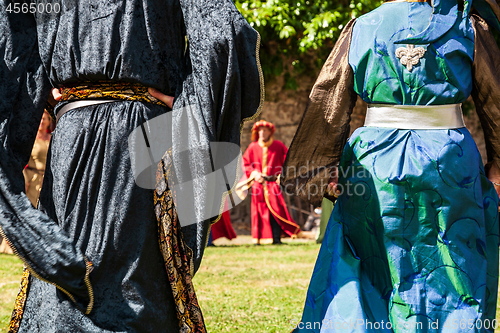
x: 89, y: 268
x: 17, y: 313
x: 177, y: 257
x: 262, y: 85
x: 265, y: 144
x: 27, y: 266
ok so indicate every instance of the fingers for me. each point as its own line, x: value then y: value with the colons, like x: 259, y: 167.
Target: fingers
x: 333, y: 190
x: 54, y: 97
x: 169, y: 100
x: 56, y: 94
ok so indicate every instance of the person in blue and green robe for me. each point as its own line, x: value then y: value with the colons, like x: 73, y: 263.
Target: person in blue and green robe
x: 104, y: 253
x: 412, y: 242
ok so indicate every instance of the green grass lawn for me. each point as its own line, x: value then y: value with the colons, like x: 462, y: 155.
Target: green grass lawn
x: 254, y: 288
x: 241, y: 288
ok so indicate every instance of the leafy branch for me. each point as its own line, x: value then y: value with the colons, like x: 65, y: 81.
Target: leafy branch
x: 297, y: 35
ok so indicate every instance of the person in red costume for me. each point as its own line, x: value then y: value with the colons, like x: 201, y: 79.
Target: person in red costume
x: 262, y: 162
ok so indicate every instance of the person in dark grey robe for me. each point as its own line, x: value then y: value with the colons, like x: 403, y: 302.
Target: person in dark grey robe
x: 92, y: 248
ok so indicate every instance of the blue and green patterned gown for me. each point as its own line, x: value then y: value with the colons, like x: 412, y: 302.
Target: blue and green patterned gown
x: 412, y: 243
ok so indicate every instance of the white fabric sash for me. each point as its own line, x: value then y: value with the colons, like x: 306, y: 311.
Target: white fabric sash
x: 79, y: 104
x: 415, y: 116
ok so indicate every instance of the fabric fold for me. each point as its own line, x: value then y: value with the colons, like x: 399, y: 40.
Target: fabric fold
x: 223, y: 88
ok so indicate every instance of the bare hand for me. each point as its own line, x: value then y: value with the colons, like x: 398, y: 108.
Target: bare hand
x: 258, y: 178
x: 56, y: 94
x: 54, y: 97
x: 169, y: 100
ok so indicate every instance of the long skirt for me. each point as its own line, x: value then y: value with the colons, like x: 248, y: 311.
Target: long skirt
x: 89, y: 189
x: 412, y: 243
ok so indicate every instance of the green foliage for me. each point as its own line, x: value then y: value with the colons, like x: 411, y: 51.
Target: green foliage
x: 302, y: 24
x: 293, y: 30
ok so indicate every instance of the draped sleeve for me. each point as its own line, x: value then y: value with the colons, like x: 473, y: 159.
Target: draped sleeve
x: 41, y: 244
x: 223, y: 87
x: 225, y: 72
x: 486, y: 86
x: 323, y: 131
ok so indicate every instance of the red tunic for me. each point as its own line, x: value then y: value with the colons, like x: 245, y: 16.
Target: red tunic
x: 267, y: 158
x: 223, y: 227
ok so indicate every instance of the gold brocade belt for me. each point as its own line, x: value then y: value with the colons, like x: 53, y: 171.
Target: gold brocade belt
x: 88, y: 93
x: 108, y: 90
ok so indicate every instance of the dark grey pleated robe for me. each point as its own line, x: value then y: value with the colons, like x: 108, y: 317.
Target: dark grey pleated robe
x: 90, y: 204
